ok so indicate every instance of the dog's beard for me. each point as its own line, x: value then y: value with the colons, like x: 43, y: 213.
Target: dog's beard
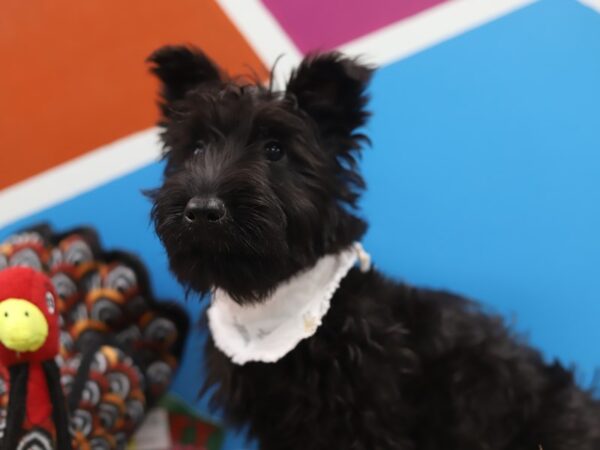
x: 247, y: 254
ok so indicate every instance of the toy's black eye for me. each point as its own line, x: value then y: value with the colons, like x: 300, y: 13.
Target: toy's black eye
x: 273, y: 151
x: 200, y: 147
x: 50, y: 303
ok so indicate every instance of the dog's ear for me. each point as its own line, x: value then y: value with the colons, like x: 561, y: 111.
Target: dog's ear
x: 181, y: 69
x: 331, y: 89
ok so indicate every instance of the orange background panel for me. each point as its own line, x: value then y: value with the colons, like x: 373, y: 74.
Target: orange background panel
x: 74, y: 77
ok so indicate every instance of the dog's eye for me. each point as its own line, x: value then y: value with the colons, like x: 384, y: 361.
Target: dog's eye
x: 200, y: 147
x: 273, y: 151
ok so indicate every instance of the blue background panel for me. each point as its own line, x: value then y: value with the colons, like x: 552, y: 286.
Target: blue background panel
x: 484, y: 178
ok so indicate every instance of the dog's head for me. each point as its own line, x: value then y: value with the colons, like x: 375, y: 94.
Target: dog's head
x: 258, y: 184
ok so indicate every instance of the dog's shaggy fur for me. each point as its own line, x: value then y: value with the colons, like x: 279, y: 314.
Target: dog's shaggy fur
x: 392, y: 366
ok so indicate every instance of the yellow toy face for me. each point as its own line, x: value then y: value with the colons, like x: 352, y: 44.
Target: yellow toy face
x: 23, y: 327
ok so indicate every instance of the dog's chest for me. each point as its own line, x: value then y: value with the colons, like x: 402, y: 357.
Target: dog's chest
x: 324, y: 388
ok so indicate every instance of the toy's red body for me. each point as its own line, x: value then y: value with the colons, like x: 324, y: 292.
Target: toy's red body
x: 39, y: 407
x: 20, y: 284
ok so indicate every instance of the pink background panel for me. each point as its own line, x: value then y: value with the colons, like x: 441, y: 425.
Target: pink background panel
x: 325, y: 24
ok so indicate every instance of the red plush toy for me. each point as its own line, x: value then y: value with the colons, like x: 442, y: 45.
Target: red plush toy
x: 91, y: 313
x: 29, y: 343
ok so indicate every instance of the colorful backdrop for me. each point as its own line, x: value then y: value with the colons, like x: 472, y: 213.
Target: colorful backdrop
x: 484, y: 173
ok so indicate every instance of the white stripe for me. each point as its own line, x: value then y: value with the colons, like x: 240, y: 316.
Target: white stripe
x: 79, y: 175
x: 265, y: 35
x: 428, y: 28
x: 391, y: 43
x: 594, y: 4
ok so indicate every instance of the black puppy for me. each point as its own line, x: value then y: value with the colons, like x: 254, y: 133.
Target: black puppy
x: 258, y: 206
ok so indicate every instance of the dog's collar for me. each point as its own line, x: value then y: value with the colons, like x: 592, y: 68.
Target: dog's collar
x: 267, y: 331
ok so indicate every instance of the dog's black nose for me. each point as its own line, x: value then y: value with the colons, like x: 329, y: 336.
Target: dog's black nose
x: 204, y: 209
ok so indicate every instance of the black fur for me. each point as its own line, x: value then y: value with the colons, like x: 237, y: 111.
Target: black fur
x: 60, y: 411
x: 392, y: 366
x: 15, y: 410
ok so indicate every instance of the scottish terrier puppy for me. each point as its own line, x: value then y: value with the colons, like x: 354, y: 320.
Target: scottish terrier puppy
x: 310, y: 347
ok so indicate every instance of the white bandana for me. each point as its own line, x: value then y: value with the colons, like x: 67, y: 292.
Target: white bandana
x: 267, y: 331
